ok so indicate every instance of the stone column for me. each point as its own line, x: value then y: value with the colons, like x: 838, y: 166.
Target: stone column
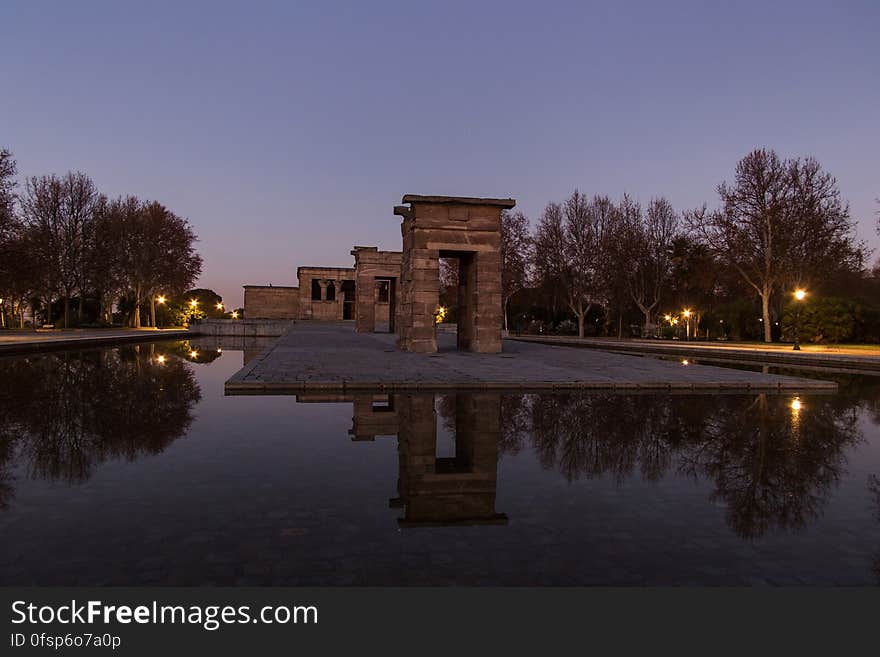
x: 488, y: 314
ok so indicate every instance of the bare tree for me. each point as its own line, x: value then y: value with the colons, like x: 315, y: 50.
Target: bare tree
x: 8, y: 170
x: 780, y: 221
x: 41, y: 212
x: 643, y: 250
x: 58, y: 213
x: 79, y: 205
x: 103, y: 262
x: 516, y: 256
x: 8, y: 226
x: 571, y: 250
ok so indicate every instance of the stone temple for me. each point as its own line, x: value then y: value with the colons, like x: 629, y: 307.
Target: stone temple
x: 399, y: 291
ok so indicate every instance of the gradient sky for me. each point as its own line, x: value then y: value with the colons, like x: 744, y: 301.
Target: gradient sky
x: 287, y: 131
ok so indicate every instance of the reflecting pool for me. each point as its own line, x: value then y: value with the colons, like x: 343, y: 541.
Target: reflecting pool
x: 129, y: 466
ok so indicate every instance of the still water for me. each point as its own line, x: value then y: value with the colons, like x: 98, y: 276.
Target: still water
x: 129, y: 466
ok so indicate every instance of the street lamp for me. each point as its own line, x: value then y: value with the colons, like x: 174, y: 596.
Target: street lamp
x: 687, y: 315
x: 160, y: 299
x: 799, y: 295
x: 219, y: 305
x: 234, y: 314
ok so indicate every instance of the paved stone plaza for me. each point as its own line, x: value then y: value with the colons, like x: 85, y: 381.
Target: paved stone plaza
x: 331, y: 356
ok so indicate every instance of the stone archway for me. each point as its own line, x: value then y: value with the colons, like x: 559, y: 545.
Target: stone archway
x: 468, y: 229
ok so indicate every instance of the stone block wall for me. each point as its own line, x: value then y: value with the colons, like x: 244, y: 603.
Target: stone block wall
x: 466, y: 228
x: 325, y: 309
x: 374, y: 268
x: 271, y: 302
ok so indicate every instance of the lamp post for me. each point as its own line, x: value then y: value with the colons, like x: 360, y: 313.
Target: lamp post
x: 687, y: 316
x: 161, y: 301
x: 799, y: 295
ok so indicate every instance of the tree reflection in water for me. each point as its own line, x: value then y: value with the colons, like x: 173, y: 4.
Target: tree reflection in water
x: 66, y: 412
x: 772, y: 461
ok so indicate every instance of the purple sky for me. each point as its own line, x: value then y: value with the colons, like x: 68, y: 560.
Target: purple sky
x: 287, y: 131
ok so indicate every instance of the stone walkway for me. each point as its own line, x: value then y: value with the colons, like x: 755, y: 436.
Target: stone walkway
x: 18, y: 341
x: 331, y: 356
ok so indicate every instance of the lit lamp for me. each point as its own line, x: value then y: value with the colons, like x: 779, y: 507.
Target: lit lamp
x: 234, y: 314
x: 799, y: 295
x: 161, y: 301
x: 219, y: 305
x: 687, y: 315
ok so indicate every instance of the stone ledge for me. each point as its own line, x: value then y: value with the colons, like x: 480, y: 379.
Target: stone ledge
x: 459, y: 200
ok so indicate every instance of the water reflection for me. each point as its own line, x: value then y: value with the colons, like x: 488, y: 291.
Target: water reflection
x: 63, y: 413
x: 584, y: 487
x: 874, y: 490
x: 772, y: 461
x: 435, y: 490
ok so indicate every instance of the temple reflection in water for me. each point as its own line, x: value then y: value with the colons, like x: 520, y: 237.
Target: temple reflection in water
x: 772, y: 460
x: 436, y: 490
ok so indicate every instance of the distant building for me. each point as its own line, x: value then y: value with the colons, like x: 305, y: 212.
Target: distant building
x: 323, y: 293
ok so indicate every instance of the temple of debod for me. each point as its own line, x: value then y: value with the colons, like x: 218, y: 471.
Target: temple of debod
x: 398, y: 291
x: 372, y: 327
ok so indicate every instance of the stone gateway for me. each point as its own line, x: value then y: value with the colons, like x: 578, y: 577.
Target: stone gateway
x: 466, y: 229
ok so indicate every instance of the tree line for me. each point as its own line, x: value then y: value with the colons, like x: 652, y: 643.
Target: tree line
x: 606, y: 265
x: 72, y: 254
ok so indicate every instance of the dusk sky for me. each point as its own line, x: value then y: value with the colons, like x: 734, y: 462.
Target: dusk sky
x: 286, y: 132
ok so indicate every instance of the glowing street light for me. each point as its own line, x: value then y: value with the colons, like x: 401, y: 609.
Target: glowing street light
x: 234, y: 314
x: 687, y: 315
x: 193, y: 303
x: 193, y: 354
x: 799, y: 295
x: 219, y: 305
x: 160, y: 299
x: 160, y: 360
